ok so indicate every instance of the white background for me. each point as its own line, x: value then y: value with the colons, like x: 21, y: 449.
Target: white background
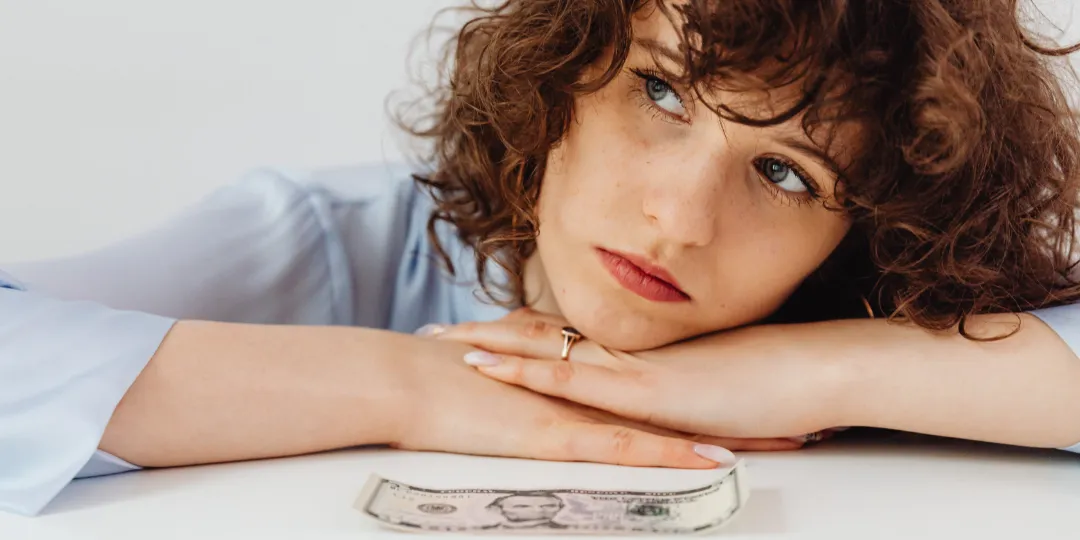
x: 116, y: 113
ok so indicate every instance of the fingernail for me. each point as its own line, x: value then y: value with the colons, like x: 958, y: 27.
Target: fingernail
x: 481, y: 358
x: 722, y: 456
x: 429, y: 330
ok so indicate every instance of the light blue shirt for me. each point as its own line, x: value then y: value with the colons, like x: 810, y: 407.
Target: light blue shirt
x: 338, y: 247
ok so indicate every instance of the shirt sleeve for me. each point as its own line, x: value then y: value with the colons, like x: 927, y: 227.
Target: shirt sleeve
x: 1065, y: 321
x: 63, y: 368
x: 263, y: 250
x: 76, y: 332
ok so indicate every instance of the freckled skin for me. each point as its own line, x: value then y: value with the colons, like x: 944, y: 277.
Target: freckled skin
x: 685, y: 195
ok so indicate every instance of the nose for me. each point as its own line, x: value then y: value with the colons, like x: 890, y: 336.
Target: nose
x: 682, y: 200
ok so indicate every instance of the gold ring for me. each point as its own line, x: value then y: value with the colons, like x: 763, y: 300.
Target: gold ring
x: 570, y: 337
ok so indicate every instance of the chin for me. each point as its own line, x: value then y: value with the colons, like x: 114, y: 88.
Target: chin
x: 610, y: 324
x: 629, y: 341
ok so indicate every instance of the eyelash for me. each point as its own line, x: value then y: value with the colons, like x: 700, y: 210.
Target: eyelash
x: 645, y: 75
x: 637, y: 87
x: 799, y: 199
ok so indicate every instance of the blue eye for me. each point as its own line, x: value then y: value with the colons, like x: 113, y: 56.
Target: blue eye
x: 782, y: 175
x: 663, y: 95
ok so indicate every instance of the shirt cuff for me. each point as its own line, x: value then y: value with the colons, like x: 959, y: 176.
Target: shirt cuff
x: 103, y: 463
x: 64, y: 366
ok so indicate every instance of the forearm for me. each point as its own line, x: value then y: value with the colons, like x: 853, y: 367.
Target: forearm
x: 218, y: 392
x: 1023, y: 390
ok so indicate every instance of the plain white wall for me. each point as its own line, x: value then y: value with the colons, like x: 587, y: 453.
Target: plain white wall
x: 116, y: 113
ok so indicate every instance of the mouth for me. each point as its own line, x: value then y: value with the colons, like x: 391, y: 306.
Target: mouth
x: 641, y: 277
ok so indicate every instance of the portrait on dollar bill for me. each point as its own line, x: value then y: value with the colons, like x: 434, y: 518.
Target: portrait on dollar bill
x: 554, y: 511
x: 527, y: 510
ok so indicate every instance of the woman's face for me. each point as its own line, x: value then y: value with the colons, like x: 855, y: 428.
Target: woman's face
x: 659, y: 221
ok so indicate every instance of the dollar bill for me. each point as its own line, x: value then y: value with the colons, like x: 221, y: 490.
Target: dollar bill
x: 554, y: 511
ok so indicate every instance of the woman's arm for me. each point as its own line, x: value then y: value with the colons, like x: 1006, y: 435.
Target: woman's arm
x: 787, y: 380
x: 217, y: 392
x: 1023, y: 390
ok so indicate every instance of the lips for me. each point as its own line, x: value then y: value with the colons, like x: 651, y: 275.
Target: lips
x: 641, y: 277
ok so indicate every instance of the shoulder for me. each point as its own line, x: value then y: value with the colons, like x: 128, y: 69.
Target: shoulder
x: 279, y: 189
x: 364, y: 207
x: 374, y: 220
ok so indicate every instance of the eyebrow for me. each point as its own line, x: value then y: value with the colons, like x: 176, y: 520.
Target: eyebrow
x: 812, y: 151
x: 658, y: 48
x: 797, y: 144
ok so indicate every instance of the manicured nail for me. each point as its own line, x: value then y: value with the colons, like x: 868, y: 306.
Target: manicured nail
x: 429, y: 330
x: 481, y: 358
x: 723, y: 456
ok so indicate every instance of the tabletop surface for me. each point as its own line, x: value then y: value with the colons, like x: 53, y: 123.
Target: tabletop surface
x: 896, y: 487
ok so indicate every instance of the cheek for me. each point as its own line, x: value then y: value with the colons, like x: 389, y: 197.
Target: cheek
x: 590, y: 174
x: 788, y: 254
x: 759, y: 267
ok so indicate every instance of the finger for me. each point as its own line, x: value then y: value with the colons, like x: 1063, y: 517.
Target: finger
x: 777, y: 444
x: 622, y: 393
x: 516, y: 316
x: 612, y: 392
x: 774, y: 444
x: 619, y: 445
x: 753, y: 445
x: 529, y: 337
x: 533, y: 337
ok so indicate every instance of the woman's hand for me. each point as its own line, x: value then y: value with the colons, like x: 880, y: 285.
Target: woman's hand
x: 749, y: 383
x: 453, y: 409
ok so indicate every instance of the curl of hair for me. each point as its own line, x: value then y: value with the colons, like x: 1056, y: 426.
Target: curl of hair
x: 965, y: 184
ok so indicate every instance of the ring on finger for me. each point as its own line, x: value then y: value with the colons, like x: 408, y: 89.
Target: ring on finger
x: 570, y: 337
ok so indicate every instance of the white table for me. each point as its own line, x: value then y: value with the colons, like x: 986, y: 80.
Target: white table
x: 897, y: 487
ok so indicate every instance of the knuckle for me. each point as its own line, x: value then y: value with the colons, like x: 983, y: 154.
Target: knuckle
x: 534, y: 329
x: 515, y: 372
x: 636, y: 376
x: 562, y: 372
x: 647, y: 385
x: 622, y: 445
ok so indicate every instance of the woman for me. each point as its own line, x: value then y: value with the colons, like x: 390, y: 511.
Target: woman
x: 730, y: 190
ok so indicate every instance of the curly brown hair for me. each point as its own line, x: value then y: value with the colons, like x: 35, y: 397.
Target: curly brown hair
x: 962, y: 196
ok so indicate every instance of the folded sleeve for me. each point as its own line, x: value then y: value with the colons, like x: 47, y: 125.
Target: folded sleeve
x: 64, y: 366
x: 1065, y: 321
x: 75, y: 332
